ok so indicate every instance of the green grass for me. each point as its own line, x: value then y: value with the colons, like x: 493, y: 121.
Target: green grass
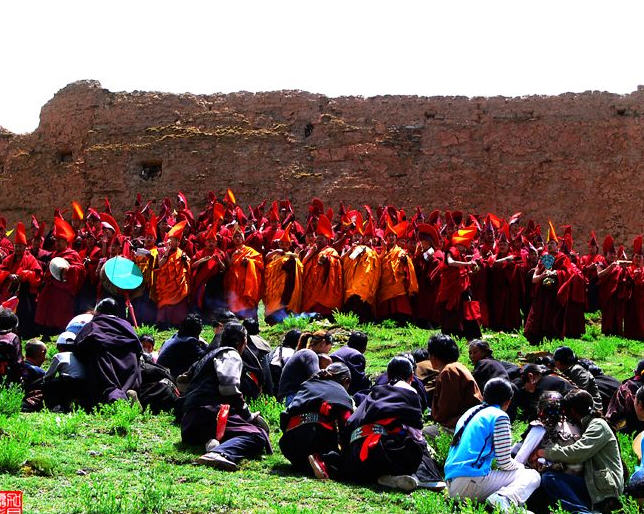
x: 119, y: 460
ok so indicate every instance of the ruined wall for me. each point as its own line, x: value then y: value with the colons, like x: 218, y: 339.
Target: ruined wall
x: 574, y: 158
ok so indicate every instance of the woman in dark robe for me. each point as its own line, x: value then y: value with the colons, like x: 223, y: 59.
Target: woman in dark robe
x: 312, y: 422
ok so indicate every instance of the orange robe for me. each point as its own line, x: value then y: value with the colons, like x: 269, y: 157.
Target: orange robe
x: 172, y: 280
x: 243, y: 283
x: 361, y: 271
x: 323, y: 289
x: 397, y: 275
x: 283, y: 279
x: 147, y: 264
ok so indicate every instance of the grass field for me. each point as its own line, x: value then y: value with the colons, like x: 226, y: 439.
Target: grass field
x: 119, y: 460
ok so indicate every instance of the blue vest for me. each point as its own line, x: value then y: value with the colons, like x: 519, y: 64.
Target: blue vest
x: 473, y: 455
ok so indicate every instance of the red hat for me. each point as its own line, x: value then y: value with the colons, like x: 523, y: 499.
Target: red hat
x: 637, y: 245
x: 316, y: 207
x: 77, y: 212
x: 457, y: 216
x: 567, y: 237
x: 63, y: 230
x: 93, y: 213
x: 21, y: 234
x: 218, y: 212
x: 274, y: 214
x: 493, y: 219
x: 515, y: 218
x: 425, y: 230
x: 177, y: 230
x: 183, y: 199
x: 212, y: 232
x: 593, y: 239
x: 108, y: 207
x: 108, y: 218
x: 285, y: 234
x: 434, y: 217
x: 151, y: 227
x: 608, y: 245
x: 3, y: 222
x: 324, y: 227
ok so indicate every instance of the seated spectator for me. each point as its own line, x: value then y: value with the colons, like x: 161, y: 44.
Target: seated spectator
x: 386, y: 443
x: 456, y: 390
x: 415, y: 383
x: 35, y: 355
x: 606, y: 384
x: 621, y: 409
x: 566, y: 363
x: 486, y: 366
x: 598, y: 450
x: 635, y: 487
x: 425, y: 373
x: 147, y: 343
x: 352, y: 354
x: 256, y: 378
x: 482, y: 435
x: 551, y: 427
x: 109, y: 349
x: 278, y: 356
x: 312, y: 423
x: 184, y: 348
x: 10, y: 348
x: 215, y: 413
x: 78, y: 322
x: 64, y: 381
x: 304, y: 363
x: 536, y: 380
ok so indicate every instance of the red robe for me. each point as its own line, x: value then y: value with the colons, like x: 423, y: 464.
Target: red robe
x: 56, y: 299
x: 204, y: 272
x: 454, y: 281
x: 243, y: 280
x: 29, y: 274
x: 506, y: 287
x: 613, y: 289
x: 428, y: 276
x: 323, y: 288
x: 634, y: 320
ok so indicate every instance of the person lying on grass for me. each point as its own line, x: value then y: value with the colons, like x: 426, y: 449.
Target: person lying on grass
x: 483, y: 435
x: 215, y: 413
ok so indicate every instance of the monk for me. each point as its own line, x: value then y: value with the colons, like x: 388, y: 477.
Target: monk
x: 283, y: 279
x: 397, y: 278
x: 361, y: 273
x: 6, y: 246
x: 20, y: 275
x: 208, y: 269
x: 55, y: 305
x: 243, y: 279
x: 589, y: 265
x: 427, y: 262
x: 612, y: 289
x: 460, y: 315
x: 146, y: 258
x: 172, y: 283
x: 506, y: 287
x: 323, y: 290
x: 634, y: 320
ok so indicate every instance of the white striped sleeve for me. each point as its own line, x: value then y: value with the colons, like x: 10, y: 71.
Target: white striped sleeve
x: 503, y: 445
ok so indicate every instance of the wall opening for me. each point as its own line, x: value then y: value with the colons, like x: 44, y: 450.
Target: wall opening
x: 151, y: 170
x: 64, y: 156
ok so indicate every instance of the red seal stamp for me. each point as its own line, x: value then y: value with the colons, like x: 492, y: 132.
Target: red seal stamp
x: 10, y: 502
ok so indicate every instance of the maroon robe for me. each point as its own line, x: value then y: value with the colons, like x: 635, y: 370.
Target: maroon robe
x: 506, y: 287
x: 613, y: 289
x: 634, y: 320
x: 56, y: 299
x: 428, y: 277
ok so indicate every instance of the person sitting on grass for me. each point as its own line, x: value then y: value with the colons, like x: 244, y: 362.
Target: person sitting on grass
x: 184, y: 348
x: 352, y: 354
x: 10, y: 349
x: 598, y: 450
x: 606, y: 384
x: 635, y: 487
x: 416, y: 383
x: 312, y: 422
x: 536, y: 380
x: 482, y: 435
x: 384, y: 439
x: 35, y: 355
x: 621, y: 409
x: 109, y: 349
x: 567, y: 364
x: 278, y: 357
x: 215, y: 413
x: 147, y: 342
x: 304, y: 363
x: 456, y: 390
x: 486, y: 366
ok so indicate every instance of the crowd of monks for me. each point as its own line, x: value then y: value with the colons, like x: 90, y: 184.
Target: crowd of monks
x: 439, y: 269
